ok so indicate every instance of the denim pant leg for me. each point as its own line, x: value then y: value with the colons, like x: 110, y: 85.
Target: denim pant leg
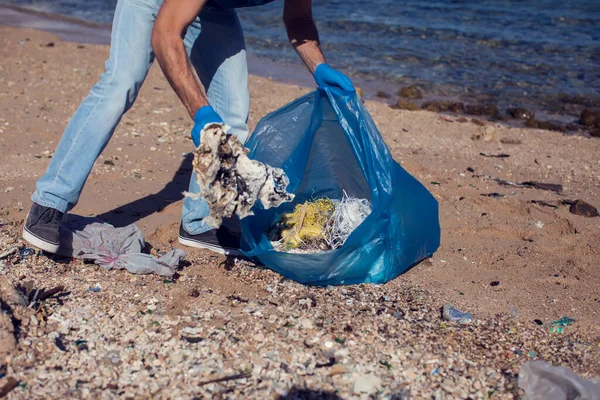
x: 215, y: 42
x: 94, y: 122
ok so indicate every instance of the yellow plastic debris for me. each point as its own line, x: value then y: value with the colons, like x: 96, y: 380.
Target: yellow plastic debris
x: 306, y: 222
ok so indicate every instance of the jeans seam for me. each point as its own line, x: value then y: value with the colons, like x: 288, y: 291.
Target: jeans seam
x: 78, y: 134
x: 47, y: 204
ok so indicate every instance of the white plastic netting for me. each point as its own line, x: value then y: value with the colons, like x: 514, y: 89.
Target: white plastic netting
x: 349, y: 213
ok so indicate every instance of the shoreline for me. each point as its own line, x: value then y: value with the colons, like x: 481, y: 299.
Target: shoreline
x: 81, y: 31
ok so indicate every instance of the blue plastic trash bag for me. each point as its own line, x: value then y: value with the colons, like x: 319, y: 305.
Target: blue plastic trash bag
x: 327, y: 143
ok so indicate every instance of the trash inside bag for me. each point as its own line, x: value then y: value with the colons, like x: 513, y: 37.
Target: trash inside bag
x: 328, y: 146
x: 542, y: 381
x: 229, y: 181
x: 114, y: 248
x: 303, y: 229
x: 319, y: 225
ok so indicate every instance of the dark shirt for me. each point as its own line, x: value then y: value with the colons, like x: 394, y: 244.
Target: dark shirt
x: 229, y: 4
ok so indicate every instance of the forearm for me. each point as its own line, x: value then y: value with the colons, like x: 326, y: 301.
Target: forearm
x: 171, y: 22
x: 304, y: 37
x: 175, y: 64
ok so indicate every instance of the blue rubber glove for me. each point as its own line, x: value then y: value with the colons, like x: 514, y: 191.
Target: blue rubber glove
x: 327, y: 76
x: 204, y: 116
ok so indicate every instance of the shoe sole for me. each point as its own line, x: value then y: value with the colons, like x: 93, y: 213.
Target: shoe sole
x: 39, y: 242
x: 206, y: 246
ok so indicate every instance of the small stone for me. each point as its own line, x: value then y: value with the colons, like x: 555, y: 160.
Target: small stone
x: 8, y: 189
x: 510, y: 141
x: 9, y: 386
x: 306, y: 323
x: 410, y: 374
x: 589, y: 117
x: 411, y: 92
x: 550, y: 126
x: 494, y: 283
x: 152, y: 148
x: 406, y: 105
x: 367, y: 384
x: 7, y: 335
x: 399, y: 314
x: 109, y: 162
x: 194, y: 293
x: 531, y: 123
x: 383, y: 95
x: 539, y: 224
x: 485, y: 109
x: 435, y: 106
x: 580, y: 207
x: 456, y: 107
x: 487, y: 133
x: 337, y: 369
x: 10, y: 295
x: 520, y: 113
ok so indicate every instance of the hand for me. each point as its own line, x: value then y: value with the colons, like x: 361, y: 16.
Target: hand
x: 327, y: 76
x: 204, y: 116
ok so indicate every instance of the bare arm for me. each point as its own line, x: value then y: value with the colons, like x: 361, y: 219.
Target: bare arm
x: 302, y: 32
x: 167, y: 43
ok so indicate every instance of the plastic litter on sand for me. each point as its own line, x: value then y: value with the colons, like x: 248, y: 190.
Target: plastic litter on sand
x: 229, y: 181
x: 558, y: 325
x: 115, y: 248
x: 452, y: 314
x: 542, y: 381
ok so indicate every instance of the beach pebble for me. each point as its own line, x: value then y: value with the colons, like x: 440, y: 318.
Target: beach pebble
x: 487, y: 133
x: 520, y: 113
x: 411, y: 92
x: 435, y: 106
x: 367, y: 384
x: 589, y: 117
x: 406, y: 105
x: 485, y: 109
x: 580, y: 207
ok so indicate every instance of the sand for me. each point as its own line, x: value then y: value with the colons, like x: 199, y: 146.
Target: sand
x: 543, y: 262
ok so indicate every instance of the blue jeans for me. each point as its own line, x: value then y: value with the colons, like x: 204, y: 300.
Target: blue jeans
x: 215, y: 44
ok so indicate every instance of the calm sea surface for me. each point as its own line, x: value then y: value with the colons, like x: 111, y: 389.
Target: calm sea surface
x: 541, y: 54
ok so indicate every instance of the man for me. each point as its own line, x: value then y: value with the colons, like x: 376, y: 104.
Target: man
x: 205, y: 34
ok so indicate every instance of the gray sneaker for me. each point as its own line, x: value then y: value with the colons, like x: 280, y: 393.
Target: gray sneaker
x: 42, y: 228
x: 222, y: 241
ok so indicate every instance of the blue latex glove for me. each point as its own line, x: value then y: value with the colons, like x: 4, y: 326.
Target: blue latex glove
x: 327, y: 76
x: 204, y: 116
